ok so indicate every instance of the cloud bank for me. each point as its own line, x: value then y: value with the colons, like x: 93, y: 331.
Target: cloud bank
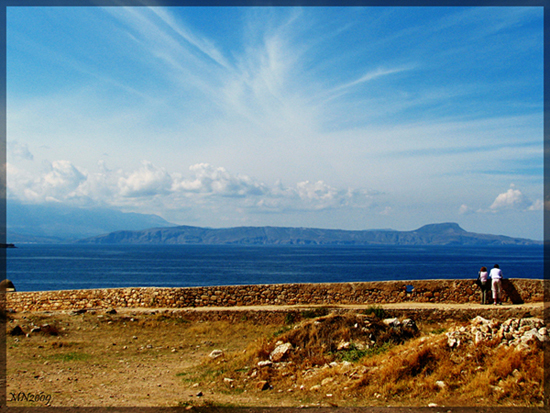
x: 204, y: 185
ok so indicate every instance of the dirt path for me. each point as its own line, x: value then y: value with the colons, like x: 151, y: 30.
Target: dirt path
x: 359, y: 307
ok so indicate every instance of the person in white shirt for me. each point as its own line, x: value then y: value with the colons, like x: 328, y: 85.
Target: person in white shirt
x: 496, y: 284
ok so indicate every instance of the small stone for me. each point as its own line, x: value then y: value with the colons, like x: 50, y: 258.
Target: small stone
x: 327, y: 381
x: 280, y: 352
x: 409, y: 323
x: 215, y: 354
x: 262, y: 385
x: 343, y: 345
x: 265, y: 363
x: 392, y: 322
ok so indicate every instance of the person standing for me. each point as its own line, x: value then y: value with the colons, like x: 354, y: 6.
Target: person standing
x: 484, y: 284
x: 496, y: 284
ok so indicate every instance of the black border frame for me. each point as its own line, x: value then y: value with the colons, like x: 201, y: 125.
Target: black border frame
x: 276, y: 3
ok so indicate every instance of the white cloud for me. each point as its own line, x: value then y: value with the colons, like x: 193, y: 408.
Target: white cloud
x: 60, y: 182
x: 19, y: 151
x: 316, y: 191
x: 511, y: 199
x: 145, y: 182
x: 155, y: 188
x: 208, y: 179
x: 536, y: 206
x: 464, y: 209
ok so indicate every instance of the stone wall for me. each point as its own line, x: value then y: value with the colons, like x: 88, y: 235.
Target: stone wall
x: 516, y: 291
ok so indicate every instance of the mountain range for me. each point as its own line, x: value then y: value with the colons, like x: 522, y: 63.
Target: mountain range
x: 432, y: 234
x: 54, y: 223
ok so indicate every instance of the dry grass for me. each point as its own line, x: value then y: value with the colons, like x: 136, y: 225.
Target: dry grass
x: 161, y: 359
x: 399, y: 368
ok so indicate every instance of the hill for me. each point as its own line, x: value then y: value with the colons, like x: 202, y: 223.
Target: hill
x: 433, y: 234
x: 55, y: 223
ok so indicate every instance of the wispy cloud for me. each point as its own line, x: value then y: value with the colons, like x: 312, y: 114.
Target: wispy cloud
x: 351, y: 106
x: 370, y: 76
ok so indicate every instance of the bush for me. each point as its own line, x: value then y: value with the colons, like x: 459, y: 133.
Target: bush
x: 315, y: 312
x: 375, y: 310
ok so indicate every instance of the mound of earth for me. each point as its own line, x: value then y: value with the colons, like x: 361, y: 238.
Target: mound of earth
x: 335, y: 336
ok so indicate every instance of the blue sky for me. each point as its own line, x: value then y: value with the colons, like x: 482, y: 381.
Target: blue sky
x: 352, y: 118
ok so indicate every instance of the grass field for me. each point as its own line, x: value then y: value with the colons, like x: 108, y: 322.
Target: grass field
x: 157, y: 358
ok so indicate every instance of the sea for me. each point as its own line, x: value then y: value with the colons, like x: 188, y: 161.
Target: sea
x: 46, y: 267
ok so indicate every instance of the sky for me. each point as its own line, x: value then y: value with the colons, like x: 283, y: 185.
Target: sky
x: 340, y: 117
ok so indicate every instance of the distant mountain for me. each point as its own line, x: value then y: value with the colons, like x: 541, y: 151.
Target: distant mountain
x: 58, y: 223
x: 433, y: 234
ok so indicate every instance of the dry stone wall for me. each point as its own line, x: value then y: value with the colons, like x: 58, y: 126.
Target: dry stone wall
x: 516, y: 291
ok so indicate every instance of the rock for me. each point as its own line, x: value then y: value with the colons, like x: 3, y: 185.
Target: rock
x: 262, y: 385
x: 531, y: 335
x: 215, y: 354
x: 479, y: 321
x: 392, y: 322
x: 327, y: 381
x: 315, y: 388
x: 280, y: 352
x: 265, y: 363
x: 343, y: 345
x: 441, y: 384
x: 409, y: 323
x: 513, y: 332
x: 48, y: 329
x: 453, y: 339
x: 17, y: 331
x: 7, y: 285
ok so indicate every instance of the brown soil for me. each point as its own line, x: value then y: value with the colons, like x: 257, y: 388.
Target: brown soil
x: 139, y: 357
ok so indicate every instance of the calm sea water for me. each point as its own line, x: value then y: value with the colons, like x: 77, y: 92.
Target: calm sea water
x: 71, y: 266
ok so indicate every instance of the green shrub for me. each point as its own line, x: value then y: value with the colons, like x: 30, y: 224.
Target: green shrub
x: 315, y: 312
x: 375, y: 310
